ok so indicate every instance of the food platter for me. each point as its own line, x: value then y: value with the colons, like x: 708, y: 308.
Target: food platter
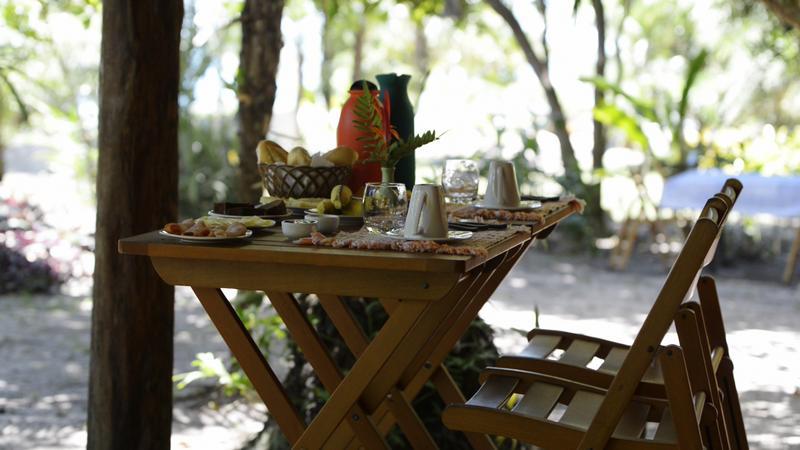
x: 452, y: 235
x: 525, y: 205
x: 277, y: 217
x: 207, y: 239
x: 344, y: 221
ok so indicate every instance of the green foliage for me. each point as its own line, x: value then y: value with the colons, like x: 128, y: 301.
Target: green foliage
x: 369, y: 120
x: 630, y: 113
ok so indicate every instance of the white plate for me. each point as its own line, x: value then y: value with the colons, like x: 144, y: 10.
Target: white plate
x: 452, y: 235
x: 208, y: 239
x: 270, y: 217
x: 525, y: 205
x: 343, y: 220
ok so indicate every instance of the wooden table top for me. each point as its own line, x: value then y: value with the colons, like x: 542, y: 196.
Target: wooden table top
x: 271, y: 246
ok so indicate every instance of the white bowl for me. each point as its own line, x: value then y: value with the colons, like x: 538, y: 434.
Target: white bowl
x: 298, y: 228
x: 327, y: 224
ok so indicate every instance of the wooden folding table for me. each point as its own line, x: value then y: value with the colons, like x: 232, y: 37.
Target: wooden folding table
x: 431, y: 300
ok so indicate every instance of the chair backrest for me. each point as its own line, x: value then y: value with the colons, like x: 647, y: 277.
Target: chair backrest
x: 697, y: 252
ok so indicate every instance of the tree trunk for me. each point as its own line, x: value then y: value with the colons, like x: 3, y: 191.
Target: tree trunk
x: 594, y: 211
x: 358, y: 47
x: 599, y: 147
x: 326, y: 66
x: 130, y: 385
x: 258, y: 67
x: 787, y: 11
x: 540, y: 67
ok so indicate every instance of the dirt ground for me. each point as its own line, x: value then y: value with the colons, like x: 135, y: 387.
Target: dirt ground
x: 44, y: 346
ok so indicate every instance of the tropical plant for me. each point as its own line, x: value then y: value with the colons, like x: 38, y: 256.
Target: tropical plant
x: 630, y: 113
x: 386, y: 145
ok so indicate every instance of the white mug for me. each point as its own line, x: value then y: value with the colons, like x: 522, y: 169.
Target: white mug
x: 502, y: 189
x: 426, y: 213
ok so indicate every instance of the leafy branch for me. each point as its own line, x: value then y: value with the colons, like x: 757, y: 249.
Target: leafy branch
x: 377, y: 135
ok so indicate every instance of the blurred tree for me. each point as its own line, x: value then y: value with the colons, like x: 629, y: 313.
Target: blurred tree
x: 258, y: 67
x: 130, y: 385
x: 540, y: 63
x: 787, y: 10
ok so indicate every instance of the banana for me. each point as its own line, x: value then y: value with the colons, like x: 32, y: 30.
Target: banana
x: 341, y: 196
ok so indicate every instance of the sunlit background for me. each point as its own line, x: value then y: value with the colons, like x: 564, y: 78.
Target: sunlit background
x: 689, y: 84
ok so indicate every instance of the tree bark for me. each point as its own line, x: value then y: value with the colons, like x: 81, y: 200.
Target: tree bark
x: 358, y: 47
x: 258, y: 67
x: 787, y: 10
x: 540, y: 67
x: 130, y: 385
x: 599, y: 147
x: 594, y: 212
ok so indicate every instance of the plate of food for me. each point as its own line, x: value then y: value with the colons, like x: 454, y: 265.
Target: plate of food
x: 251, y: 222
x: 191, y: 230
x: 269, y: 208
x: 525, y: 205
x: 452, y: 235
x: 341, y: 203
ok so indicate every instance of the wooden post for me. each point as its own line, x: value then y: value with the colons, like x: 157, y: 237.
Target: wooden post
x: 130, y: 385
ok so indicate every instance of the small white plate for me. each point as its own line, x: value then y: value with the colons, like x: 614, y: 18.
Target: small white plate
x: 525, y: 205
x: 270, y: 217
x: 207, y: 239
x: 452, y: 235
x: 343, y: 220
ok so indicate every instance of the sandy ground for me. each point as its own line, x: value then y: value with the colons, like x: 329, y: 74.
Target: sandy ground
x: 44, y: 343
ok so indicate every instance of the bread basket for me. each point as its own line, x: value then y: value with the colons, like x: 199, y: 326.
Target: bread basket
x: 282, y: 180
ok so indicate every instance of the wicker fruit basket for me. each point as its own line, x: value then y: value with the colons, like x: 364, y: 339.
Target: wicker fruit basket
x: 285, y: 181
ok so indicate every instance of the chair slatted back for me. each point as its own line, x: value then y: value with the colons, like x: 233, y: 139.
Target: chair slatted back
x: 697, y: 252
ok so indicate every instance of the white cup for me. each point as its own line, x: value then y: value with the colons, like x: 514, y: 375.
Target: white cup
x: 298, y: 228
x: 327, y: 224
x: 502, y: 189
x: 426, y: 213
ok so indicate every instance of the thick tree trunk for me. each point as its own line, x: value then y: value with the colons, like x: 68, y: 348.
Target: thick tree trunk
x: 540, y: 67
x: 258, y: 67
x: 787, y: 10
x: 130, y: 386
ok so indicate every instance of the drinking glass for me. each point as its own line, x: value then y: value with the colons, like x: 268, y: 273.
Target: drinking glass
x: 460, y: 180
x: 385, y: 206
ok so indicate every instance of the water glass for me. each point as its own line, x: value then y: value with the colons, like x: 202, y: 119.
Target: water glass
x: 460, y: 180
x: 385, y: 206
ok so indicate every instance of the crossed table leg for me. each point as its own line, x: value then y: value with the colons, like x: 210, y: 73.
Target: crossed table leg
x: 389, y: 371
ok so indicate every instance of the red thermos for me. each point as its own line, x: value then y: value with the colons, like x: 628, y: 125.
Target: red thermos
x: 347, y: 135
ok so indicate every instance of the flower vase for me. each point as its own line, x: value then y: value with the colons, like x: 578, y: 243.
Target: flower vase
x: 387, y: 175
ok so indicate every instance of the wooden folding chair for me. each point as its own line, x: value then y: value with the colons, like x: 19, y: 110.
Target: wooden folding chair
x: 559, y: 353
x: 565, y: 411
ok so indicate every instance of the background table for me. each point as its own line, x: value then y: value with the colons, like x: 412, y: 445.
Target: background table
x: 431, y: 300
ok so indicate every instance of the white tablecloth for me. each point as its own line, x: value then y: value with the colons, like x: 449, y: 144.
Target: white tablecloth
x: 778, y: 196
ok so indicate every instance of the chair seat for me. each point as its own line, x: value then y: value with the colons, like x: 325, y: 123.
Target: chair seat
x: 528, y: 406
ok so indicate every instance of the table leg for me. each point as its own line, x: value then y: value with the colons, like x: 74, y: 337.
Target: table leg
x: 454, y: 327
x: 366, y: 368
x: 791, y: 263
x: 253, y: 363
x: 357, y: 342
x: 324, y: 366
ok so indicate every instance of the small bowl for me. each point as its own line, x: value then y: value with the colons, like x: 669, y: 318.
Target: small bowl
x: 327, y: 224
x: 298, y: 228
